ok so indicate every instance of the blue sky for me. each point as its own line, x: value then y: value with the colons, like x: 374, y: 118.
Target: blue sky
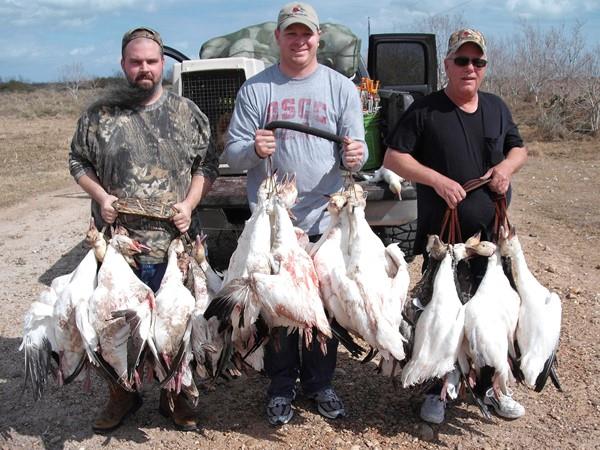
x: 39, y: 39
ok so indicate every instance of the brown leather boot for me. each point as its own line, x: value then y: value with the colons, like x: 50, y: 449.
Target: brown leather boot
x: 121, y: 403
x: 179, y: 409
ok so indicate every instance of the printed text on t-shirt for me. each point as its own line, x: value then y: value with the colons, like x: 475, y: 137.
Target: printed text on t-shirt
x: 306, y: 109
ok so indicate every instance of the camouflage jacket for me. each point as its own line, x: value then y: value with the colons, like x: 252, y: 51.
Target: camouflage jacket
x: 149, y: 152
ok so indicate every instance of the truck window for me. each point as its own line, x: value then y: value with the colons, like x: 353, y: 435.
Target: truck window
x: 412, y: 72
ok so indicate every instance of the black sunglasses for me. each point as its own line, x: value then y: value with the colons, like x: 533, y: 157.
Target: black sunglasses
x: 463, y: 61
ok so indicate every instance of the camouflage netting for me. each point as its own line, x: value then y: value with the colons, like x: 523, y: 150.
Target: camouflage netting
x: 339, y: 48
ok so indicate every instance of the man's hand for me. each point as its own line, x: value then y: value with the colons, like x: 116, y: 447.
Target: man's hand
x: 264, y: 143
x: 108, y: 213
x: 183, y: 218
x: 500, y: 178
x: 502, y: 173
x: 451, y: 191
x: 353, y: 153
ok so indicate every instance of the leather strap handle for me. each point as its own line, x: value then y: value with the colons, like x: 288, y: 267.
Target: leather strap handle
x: 304, y: 129
x: 450, y: 222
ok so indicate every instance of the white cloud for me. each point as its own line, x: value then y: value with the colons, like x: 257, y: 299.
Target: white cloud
x: 12, y: 50
x: 77, y: 22
x: 82, y: 51
x: 89, y: 5
x: 70, y: 13
x: 550, y: 8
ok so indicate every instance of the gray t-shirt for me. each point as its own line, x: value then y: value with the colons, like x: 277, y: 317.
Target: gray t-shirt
x: 326, y: 100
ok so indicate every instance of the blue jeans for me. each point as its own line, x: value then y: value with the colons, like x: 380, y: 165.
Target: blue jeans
x: 151, y: 274
x: 283, y: 365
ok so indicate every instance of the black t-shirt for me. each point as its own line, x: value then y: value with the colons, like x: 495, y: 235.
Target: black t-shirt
x: 461, y: 146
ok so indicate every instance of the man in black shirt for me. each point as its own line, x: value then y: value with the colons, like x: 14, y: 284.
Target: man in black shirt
x: 447, y: 138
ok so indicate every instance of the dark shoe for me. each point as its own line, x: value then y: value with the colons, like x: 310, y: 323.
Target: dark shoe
x: 182, y: 413
x: 121, y: 403
x: 433, y: 409
x: 329, y: 404
x: 279, y: 410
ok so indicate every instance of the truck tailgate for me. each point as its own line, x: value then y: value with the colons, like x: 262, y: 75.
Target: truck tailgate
x: 383, y: 207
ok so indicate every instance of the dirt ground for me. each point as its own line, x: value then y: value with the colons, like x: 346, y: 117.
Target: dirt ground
x: 557, y: 213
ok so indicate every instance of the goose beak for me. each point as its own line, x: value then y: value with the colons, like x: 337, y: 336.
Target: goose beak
x: 139, y: 247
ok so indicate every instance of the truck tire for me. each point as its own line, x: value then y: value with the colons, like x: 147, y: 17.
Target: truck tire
x: 403, y: 235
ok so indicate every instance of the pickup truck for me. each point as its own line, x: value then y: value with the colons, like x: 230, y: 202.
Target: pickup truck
x: 405, y: 66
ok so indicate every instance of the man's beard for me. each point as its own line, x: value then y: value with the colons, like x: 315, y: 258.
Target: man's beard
x: 126, y: 94
x: 137, y: 82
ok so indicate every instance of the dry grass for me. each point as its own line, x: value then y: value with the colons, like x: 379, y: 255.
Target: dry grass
x: 35, y: 133
x: 33, y: 156
x: 42, y: 103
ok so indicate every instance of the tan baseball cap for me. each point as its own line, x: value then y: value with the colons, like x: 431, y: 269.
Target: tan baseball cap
x: 460, y: 37
x: 298, y: 13
x: 141, y: 32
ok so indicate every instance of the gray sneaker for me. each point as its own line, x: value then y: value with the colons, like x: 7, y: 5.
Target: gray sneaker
x: 505, y: 406
x: 329, y: 404
x: 279, y: 410
x: 433, y: 409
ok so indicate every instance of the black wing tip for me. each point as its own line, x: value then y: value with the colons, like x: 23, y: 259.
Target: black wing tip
x: 219, y: 307
x: 37, y: 367
x: 369, y: 356
x: 549, y: 371
x: 109, y: 373
x: 346, y: 339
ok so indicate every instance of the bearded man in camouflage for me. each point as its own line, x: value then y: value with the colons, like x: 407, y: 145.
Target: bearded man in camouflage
x: 143, y: 141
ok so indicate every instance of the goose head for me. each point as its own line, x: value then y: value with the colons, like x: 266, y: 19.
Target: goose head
x: 199, y: 249
x: 435, y: 247
x: 482, y: 248
x: 183, y: 263
x: 508, y: 241
x: 356, y: 196
x: 394, y: 181
x: 459, y: 252
x: 336, y: 202
x: 472, y: 247
x: 287, y: 191
x: 126, y: 246
x: 267, y: 187
x: 473, y: 240
x: 95, y: 239
x: 176, y: 246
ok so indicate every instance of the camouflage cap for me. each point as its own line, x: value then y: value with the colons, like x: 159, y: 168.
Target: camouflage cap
x: 461, y: 37
x: 141, y: 32
x: 298, y: 13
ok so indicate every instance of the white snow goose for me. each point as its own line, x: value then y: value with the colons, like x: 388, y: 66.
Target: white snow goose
x: 172, y: 325
x: 289, y: 297
x: 491, y: 320
x: 439, y: 330
x: 51, y: 326
x: 364, y: 287
x: 235, y: 308
x: 538, y: 328
x: 120, y: 315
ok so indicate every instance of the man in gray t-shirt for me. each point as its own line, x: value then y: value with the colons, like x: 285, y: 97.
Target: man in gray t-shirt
x: 300, y: 90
